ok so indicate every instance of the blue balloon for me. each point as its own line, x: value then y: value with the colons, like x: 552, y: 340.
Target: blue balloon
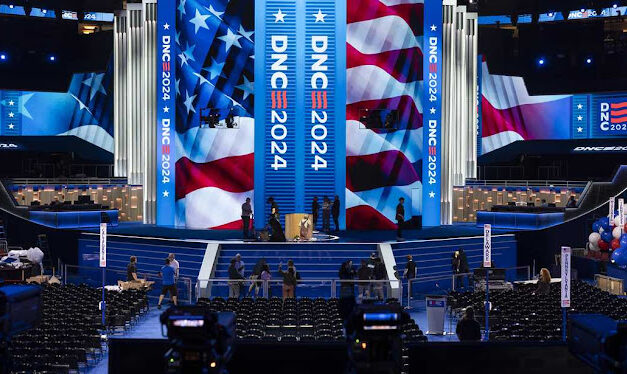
x: 607, y: 236
x: 604, y: 222
x: 619, y: 256
x: 623, y: 240
x: 595, y: 226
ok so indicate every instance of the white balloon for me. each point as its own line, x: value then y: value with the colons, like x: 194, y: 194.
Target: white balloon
x: 593, y: 247
x: 594, y: 238
x: 616, y: 233
x: 617, y: 221
x: 601, y: 229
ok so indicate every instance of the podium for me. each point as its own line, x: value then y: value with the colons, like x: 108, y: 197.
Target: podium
x: 436, y: 310
x: 293, y: 229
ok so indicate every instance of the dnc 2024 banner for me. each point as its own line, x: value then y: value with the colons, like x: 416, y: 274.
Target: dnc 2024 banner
x: 315, y: 69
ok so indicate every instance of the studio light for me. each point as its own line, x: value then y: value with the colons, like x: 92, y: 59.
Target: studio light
x: 52, y: 58
x: 3, y: 57
x: 588, y: 61
x: 541, y: 61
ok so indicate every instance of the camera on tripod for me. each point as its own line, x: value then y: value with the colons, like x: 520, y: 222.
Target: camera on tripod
x: 201, y: 341
x: 374, y: 339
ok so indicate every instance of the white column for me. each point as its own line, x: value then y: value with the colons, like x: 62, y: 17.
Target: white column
x: 149, y: 114
x: 448, y: 108
x: 134, y: 95
x: 119, y: 94
x: 472, y: 29
x: 459, y: 136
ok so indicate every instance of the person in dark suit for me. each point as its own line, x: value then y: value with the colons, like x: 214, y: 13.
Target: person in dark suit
x: 335, y: 211
x: 468, y: 329
x: 400, y: 218
x: 315, y: 210
x: 572, y: 203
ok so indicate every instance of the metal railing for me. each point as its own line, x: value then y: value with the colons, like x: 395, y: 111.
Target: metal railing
x: 321, y: 287
x: 92, y: 276
x: 525, y: 183
x: 455, y: 279
x: 64, y: 181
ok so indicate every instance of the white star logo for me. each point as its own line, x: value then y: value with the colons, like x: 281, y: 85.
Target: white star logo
x: 279, y: 16
x: 431, y: 195
x: 580, y: 106
x: 181, y: 8
x: 230, y: 39
x: 319, y: 16
x: 248, y: 87
x: 11, y: 126
x: 214, y: 12
x: 166, y: 109
x: 579, y: 118
x: 11, y: 114
x: 245, y: 34
x: 11, y: 102
x: 166, y: 193
x: 202, y: 79
x: 166, y: 26
x: 183, y: 58
x: 199, y: 21
x: 434, y: 28
x: 579, y: 129
x: 189, y: 102
x: 95, y: 83
x: 432, y: 110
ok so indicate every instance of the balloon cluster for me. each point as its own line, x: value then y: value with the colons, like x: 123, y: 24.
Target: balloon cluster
x: 606, y: 236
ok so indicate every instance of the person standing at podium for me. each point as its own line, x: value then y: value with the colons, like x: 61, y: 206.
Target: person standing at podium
x: 247, y: 212
x: 315, y: 209
x: 326, y: 214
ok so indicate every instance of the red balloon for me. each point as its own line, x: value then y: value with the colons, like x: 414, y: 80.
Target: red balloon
x: 615, y: 243
x: 625, y: 228
x: 604, y: 246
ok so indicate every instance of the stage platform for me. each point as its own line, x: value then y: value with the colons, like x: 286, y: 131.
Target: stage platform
x: 373, y: 236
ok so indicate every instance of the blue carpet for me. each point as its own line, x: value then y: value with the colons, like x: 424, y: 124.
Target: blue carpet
x: 372, y: 236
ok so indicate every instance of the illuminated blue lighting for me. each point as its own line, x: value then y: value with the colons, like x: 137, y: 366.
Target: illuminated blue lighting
x: 52, y: 58
x: 3, y: 57
x: 588, y: 60
x: 614, y: 5
x: 551, y: 14
x: 541, y: 61
x: 44, y: 11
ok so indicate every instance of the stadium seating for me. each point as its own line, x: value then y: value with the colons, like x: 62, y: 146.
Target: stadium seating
x: 522, y: 315
x: 69, y: 336
x: 292, y: 320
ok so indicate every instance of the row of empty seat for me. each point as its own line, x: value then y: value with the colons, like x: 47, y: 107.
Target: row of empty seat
x: 69, y: 336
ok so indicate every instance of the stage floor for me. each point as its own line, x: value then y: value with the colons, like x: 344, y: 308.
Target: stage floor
x: 374, y: 236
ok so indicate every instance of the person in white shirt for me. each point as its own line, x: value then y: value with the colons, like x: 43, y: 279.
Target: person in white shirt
x: 174, y: 264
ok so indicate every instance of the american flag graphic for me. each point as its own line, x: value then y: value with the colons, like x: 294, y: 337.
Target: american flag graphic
x: 215, y: 65
x: 384, y: 71
x: 509, y: 113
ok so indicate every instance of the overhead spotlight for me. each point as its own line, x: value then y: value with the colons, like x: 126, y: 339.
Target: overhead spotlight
x: 614, y: 5
x: 3, y: 57
x: 44, y: 11
x: 541, y: 61
x: 52, y: 58
x: 583, y: 10
x: 11, y: 6
x: 551, y: 14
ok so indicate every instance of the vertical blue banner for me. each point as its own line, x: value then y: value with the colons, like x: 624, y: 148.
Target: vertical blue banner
x: 166, y: 109
x: 432, y: 116
x: 275, y: 107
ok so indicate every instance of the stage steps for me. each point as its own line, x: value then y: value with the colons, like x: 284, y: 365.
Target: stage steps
x: 434, y: 257
x: 312, y: 260
x: 150, y: 253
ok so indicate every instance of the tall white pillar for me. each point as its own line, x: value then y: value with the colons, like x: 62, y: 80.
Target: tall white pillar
x: 120, y: 79
x: 149, y: 114
x: 448, y: 108
x: 472, y: 43
x: 460, y: 136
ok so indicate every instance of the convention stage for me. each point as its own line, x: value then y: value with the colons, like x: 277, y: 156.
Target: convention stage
x: 350, y: 236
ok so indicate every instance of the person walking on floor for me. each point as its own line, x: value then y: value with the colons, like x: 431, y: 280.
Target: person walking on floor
x: 347, y: 273
x: 400, y: 219
x: 175, y: 264
x: 315, y: 210
x: 364, y: 273
x: 335, y: 210
x: 326, y: 214
x: 247, y: 213
x: 131, y: 270
x: 167, y: 283
x: 289, y: 282
x: 235, y: 280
